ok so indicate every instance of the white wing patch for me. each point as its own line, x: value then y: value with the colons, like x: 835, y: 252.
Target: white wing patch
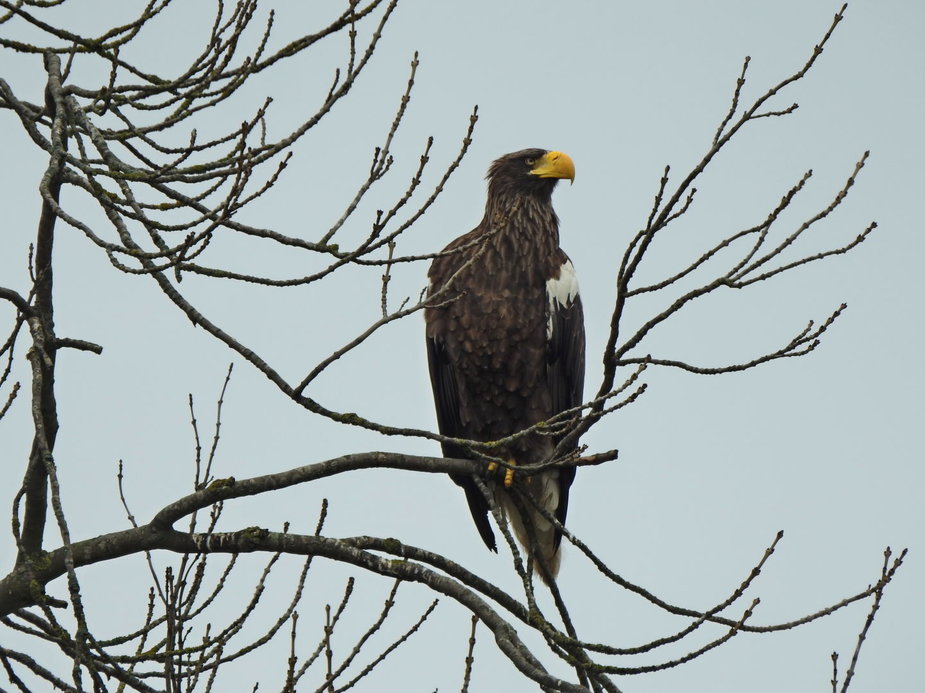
x: 560, y: 292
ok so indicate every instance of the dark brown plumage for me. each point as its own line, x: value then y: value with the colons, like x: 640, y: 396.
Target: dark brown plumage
x: 505, y: 343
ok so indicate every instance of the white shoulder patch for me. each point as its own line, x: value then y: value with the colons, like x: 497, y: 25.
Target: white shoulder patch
x: 561, y: 292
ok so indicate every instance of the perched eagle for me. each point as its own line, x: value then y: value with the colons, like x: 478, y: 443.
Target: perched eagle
x: 506, y: 343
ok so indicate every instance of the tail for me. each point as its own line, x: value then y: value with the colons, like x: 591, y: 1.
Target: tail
x: 545, y: 489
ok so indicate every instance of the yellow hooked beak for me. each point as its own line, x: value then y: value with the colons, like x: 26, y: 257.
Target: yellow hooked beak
x: 555, y: 165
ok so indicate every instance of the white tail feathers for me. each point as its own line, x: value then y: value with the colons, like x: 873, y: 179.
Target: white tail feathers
x: 545, y: 489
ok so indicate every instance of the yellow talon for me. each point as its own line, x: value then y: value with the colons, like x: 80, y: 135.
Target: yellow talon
x: 509, y: 474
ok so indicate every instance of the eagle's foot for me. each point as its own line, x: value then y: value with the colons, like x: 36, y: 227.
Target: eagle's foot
x: 508, y: 472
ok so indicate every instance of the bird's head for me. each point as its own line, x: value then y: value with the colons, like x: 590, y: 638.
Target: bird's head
x: 530, y: 171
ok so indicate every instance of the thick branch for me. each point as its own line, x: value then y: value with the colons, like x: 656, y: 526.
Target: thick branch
x: 45, y: 409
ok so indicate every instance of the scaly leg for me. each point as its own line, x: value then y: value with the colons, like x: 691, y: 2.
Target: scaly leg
x: 508, y: 472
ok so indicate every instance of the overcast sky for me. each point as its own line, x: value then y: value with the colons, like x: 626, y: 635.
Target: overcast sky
x: 826, y: 447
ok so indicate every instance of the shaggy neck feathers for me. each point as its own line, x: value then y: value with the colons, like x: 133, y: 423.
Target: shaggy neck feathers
x: 522, y: 217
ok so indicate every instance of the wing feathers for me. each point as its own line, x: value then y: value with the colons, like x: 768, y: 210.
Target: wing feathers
x: 446, y: 398
x: 565, y: 359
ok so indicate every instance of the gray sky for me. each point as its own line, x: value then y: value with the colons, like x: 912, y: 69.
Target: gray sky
x: 826, y: 447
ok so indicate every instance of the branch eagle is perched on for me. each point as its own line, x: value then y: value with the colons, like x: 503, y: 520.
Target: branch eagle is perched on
x: 506, y: 342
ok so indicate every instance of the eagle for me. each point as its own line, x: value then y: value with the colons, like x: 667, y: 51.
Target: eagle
x: 506, y: 346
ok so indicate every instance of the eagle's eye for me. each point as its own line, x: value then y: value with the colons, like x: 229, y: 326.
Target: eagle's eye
x: 529, y: 162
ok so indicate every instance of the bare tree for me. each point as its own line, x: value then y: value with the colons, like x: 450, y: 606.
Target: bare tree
x: 167, y: 197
